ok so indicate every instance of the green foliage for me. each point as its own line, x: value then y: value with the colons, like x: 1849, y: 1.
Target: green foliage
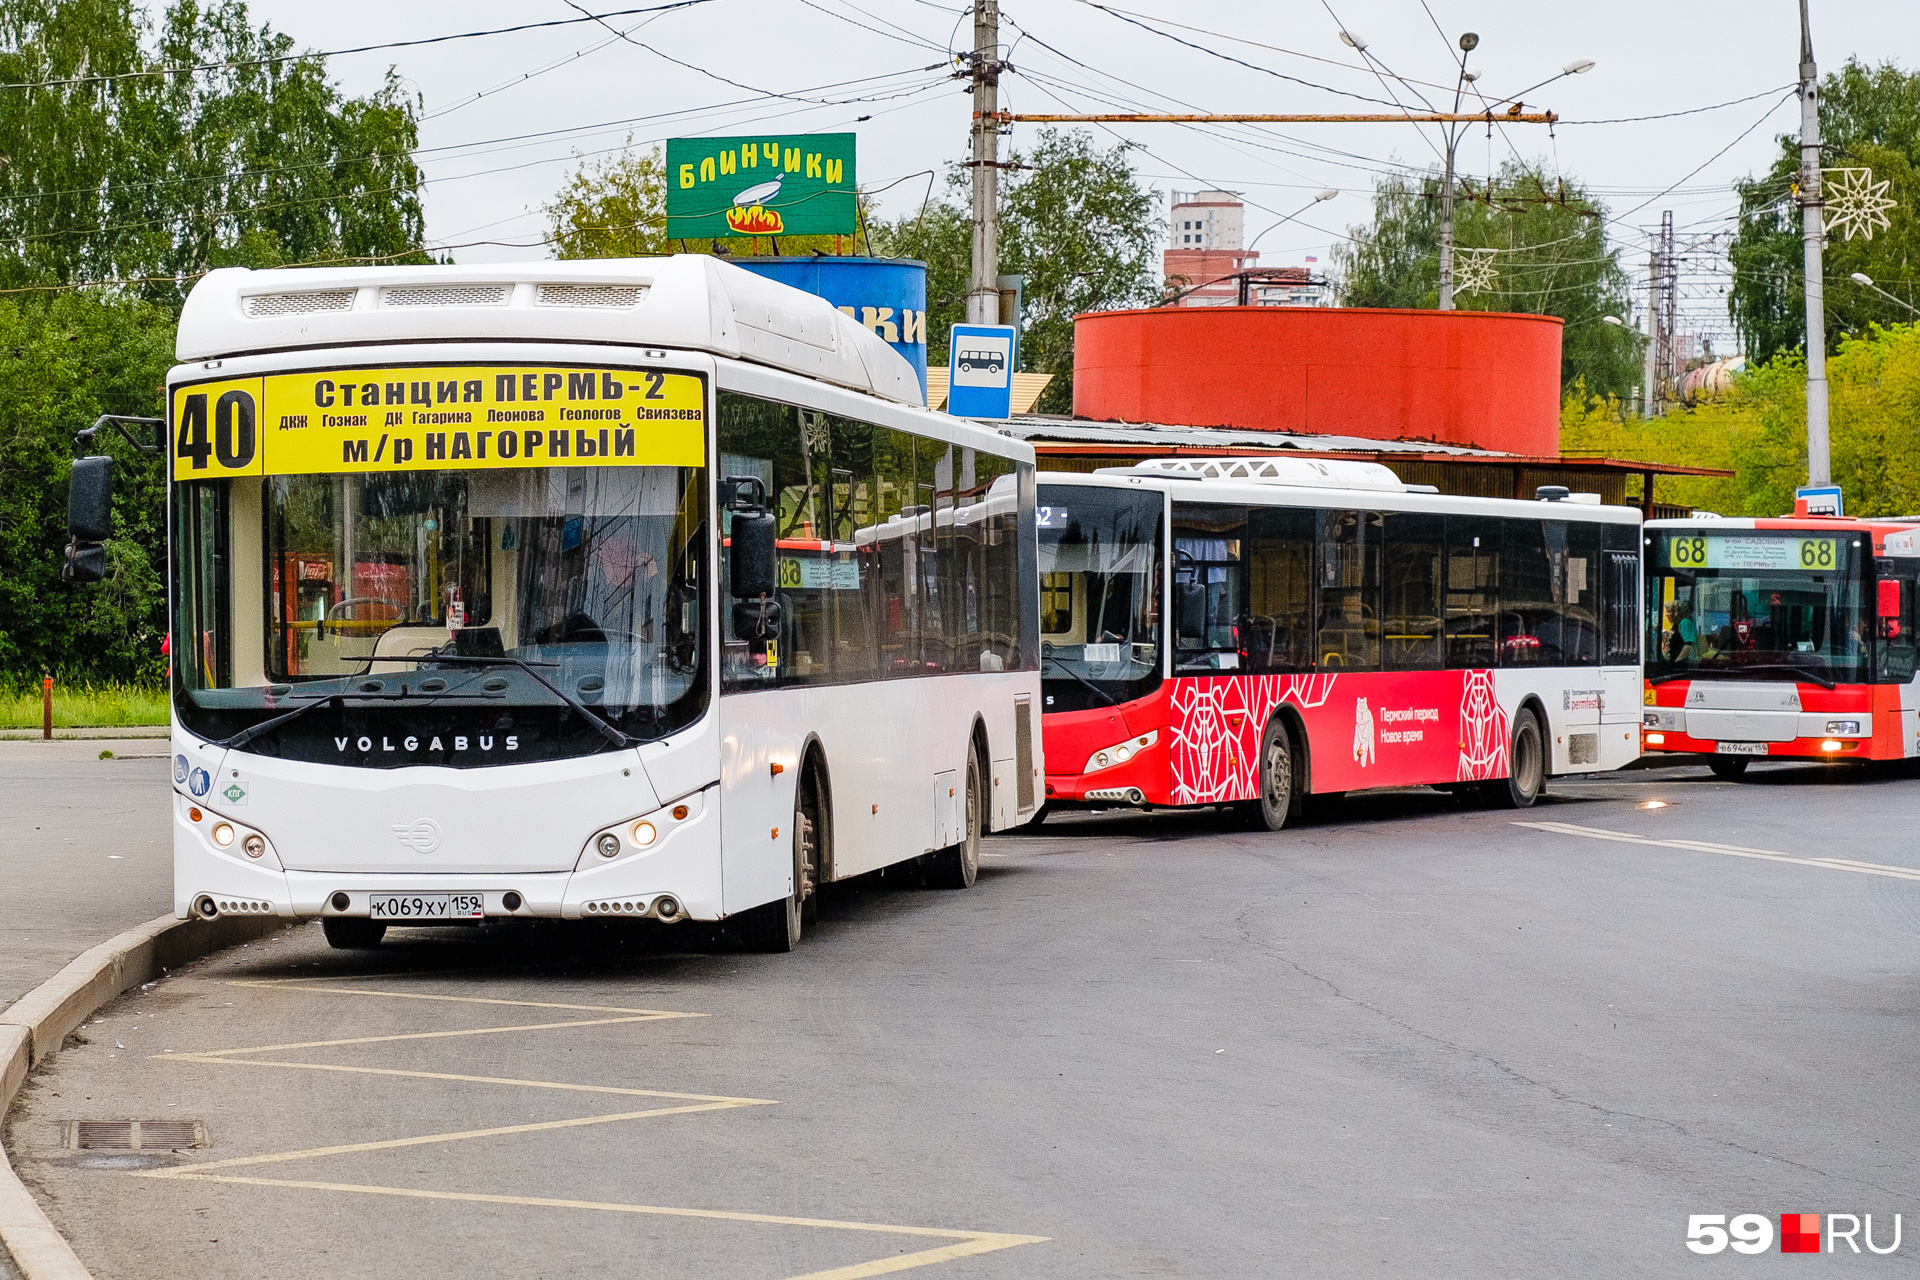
x: 85, y: 707
x: 1759, y: 431
x: 1552, y: 260
x: 1869, y: 118
x: 1075, y: 223
x: 160, y: 175
x: 64, y: 360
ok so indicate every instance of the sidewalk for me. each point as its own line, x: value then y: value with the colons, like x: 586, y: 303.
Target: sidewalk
x: 87, y: 854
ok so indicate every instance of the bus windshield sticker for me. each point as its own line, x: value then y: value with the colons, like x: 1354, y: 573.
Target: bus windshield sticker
x: 1733, y: 551
x: 437, y: 418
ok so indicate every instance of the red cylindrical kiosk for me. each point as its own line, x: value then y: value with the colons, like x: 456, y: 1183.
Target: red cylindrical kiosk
x: 1486, y: 379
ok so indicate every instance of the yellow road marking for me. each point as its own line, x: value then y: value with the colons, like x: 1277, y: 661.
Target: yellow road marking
x: 425, y: 1139
x: 1730, y: 850
x: 964, y: 1243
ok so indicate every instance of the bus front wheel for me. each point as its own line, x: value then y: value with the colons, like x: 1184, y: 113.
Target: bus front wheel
x: 776, y: 926
x: 1728, y: 768
x: 1526, y: 767
x: 1277, y: 786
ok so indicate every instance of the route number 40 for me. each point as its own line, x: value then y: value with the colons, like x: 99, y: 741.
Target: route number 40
x: 1712, y: 1232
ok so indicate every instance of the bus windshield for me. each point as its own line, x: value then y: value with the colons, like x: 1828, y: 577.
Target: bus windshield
x: 1757, y: 605
x: 1099, y: 596
x: 409, y: 602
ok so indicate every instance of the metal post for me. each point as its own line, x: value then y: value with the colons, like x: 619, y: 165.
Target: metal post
x: 983, y: 291
x: 1812, y: 232
x: 1446, y: 232
x: 1653, y: 334
x: 46, y: 709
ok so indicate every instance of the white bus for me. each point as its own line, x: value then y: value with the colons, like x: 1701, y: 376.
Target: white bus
x: 1250, y: 632
x: 626, y: 589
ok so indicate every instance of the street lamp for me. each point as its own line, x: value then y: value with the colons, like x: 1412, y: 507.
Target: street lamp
x: 1864, y: 280
x: 1327, y: 194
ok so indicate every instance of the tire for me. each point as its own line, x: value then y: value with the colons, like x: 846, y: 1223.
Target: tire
x: 1728, y: 768
x: 1526, y: 778
x: 1278, y: 789
x: 957, y: 866
x: 352, y: 933
x: 776, y: 927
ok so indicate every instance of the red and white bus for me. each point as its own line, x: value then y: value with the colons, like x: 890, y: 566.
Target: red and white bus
x: 1253, y: 631
x: 1780, y: 638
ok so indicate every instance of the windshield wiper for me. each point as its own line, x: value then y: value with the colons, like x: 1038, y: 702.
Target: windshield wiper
x: 313, y: 700
x: 1734, y: 673
x: 1061, y: 663
x: 606, y: 730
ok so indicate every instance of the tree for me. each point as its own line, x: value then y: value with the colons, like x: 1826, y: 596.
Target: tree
x: 147, y: 165
x: 1548, y: 248
x: 1075, y: 223
x: 121, y: 174
x: 1869, y: 118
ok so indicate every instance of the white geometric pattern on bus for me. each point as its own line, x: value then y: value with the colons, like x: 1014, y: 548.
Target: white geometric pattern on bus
x: 1217, y: 725
x: 1483, y: 729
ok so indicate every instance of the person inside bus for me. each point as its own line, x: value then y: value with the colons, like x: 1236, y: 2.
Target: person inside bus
x: 1680, y: 631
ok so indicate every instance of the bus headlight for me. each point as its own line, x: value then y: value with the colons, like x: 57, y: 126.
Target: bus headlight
x: 222, y: 834
x: 643, y: 834
x: 254, y: 844
x: 608, y: 844
x: 1843, y: 726
x: 1121, y: 752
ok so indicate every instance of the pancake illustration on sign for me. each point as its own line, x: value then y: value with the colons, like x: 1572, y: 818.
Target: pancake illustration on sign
x: 749, y: 217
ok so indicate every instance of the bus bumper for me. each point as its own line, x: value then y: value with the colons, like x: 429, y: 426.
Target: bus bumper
x: 212, y: 878
x: 1670, y: 742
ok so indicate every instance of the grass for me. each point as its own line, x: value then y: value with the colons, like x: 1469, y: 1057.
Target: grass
x: 85, y: 707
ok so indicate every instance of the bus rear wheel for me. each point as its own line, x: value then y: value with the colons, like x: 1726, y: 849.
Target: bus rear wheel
x: 958, y: 866
x: 1728, y: 768
x: 352, y: 933
x: 1526, y: 767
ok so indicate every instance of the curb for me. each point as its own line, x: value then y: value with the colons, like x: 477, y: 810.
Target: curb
x: 33, y: 1028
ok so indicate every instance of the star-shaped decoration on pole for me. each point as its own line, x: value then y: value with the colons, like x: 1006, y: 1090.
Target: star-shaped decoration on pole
x: 1473, y: 271
x: 1856, y: 204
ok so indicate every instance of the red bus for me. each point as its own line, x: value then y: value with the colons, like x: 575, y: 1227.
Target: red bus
x: 1250, y: 632
x: 1789, y: 638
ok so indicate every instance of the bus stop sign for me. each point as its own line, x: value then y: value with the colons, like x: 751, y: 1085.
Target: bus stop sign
x: 980, y: 371
x: 1821, y: 500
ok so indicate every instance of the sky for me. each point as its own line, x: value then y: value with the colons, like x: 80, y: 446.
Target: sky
x: 505, y: 118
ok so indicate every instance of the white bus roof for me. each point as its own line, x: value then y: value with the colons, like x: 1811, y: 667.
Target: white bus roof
x: 688, y: 301
x: 1201, y: 480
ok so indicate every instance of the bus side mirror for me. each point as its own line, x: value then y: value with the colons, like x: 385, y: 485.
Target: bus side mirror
x: 1193, y: 608
x: 1889, y: 599
x: 752, y: 568
x: 89, y: 519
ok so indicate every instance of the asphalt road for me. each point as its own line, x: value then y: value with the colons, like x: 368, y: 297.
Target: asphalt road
x: 86, y: 851
x: 1405, y: 1038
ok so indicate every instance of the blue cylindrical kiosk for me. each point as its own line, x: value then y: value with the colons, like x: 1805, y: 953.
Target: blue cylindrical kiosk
x: 887, y: 295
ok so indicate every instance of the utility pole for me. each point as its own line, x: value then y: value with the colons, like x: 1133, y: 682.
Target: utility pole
x: 1468, y: 43
x: 1812, y: 233
x: 983, y: 290
x: 1651, y: 356
x: 1669, y: 319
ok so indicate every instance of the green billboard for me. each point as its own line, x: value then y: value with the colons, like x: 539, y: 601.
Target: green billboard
x: 792, y: 185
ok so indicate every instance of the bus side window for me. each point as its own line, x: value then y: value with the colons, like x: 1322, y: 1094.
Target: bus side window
x: 1207, y: 552
x: 1473, y: 581
x: 1410, y: 615
x: 1620, y: 616
x: 1896, y: 634
x: 1279, y: 589
x: 1349, y: 613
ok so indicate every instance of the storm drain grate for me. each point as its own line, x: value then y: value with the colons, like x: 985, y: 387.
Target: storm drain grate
x: 135, y: 1135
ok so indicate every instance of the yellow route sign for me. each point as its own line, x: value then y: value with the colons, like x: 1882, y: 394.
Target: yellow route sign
x: 438, y: 417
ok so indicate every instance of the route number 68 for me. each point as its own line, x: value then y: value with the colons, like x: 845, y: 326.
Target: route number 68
x: 1712, y: 1232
